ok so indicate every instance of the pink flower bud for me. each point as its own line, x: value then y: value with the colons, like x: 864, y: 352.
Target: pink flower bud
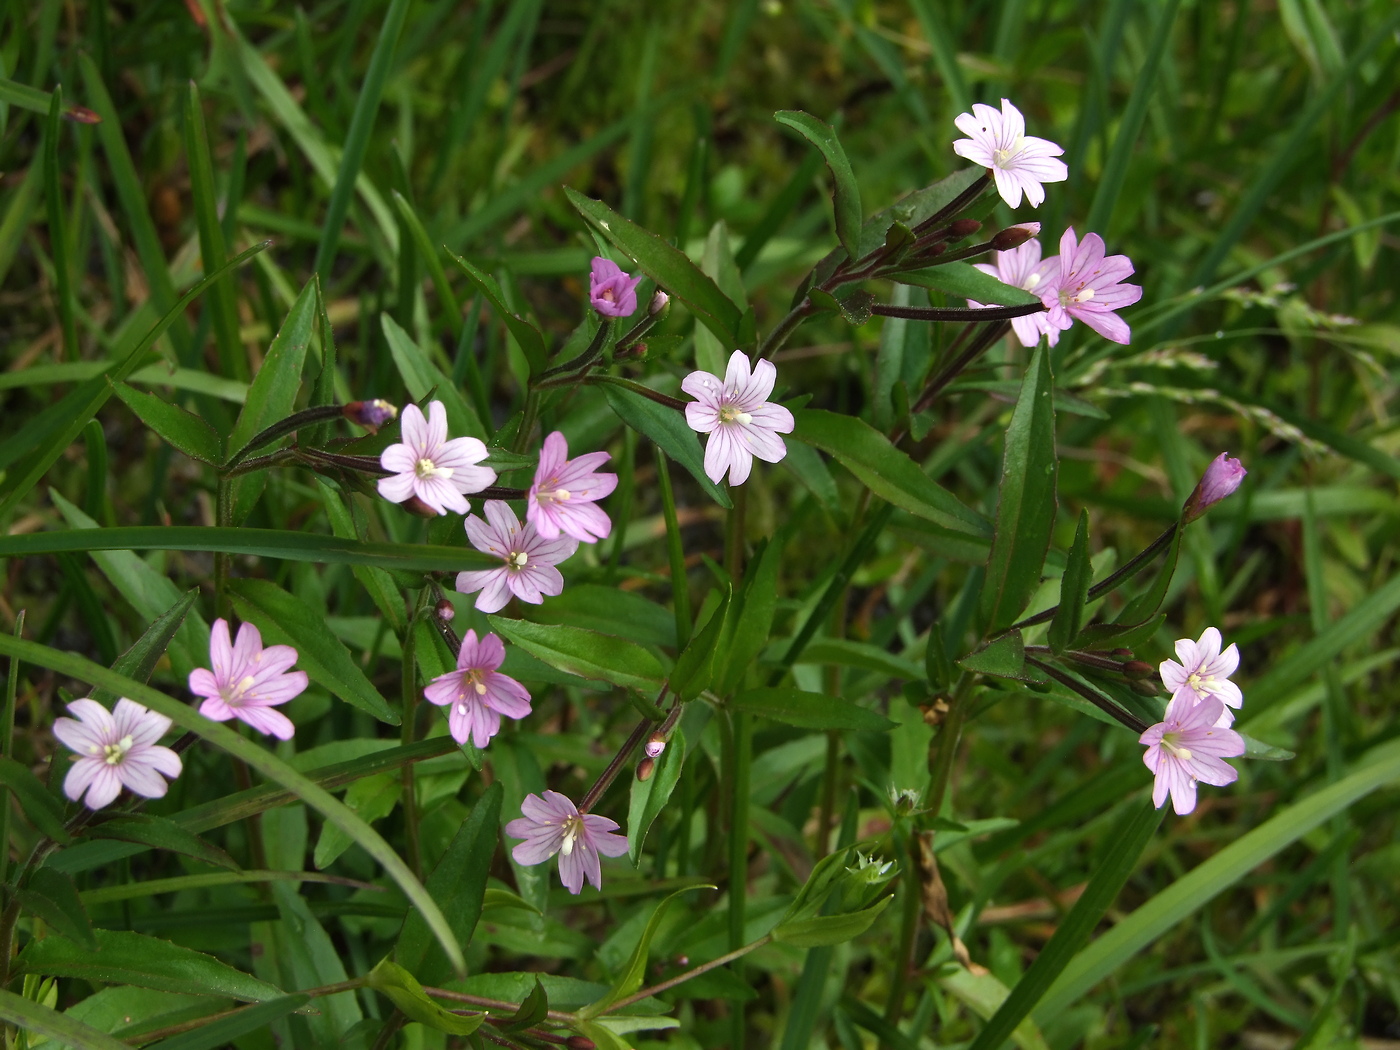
x: 656, y: 745
x: 659, y: 301
x: 445, y: 611
x: 1221, y: 478
x: 370, y: 414
x: 1015, y: 236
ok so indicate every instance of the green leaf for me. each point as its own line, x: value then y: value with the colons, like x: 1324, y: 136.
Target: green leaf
x: 273, y: 394
x: 667, y: 266
x: 667, y: 429
x: 372, y: 798
x: 533, y: 1009
x: 459, y: 884
x: 140, y: 660
x: 266, y: 763
x: 1115, y: 635
x: 805, y: 710
x: 378, y: 584
x: 1003, y: 657
x: 31, y: 1017
x: 985, y: 994
x: 422, y: 378
x: 1074, y: 589
x: 916, y: 207
x: 885, y: 470
x: 695, y: 667
x: 649, y: 797
x: 1141, y: 608
x: 264, y: 543
x: 224, y: 1031
x: 1026, y: 504
x: 1379, y: 767
x: 829, y: 929
x: 531, y: 342
x: 123, y: 957
x: 161, y: 833
x: 52, y: 896
x: 407, y: 994
x: 630, y: 979
x: 846, y: 191
x: 611, y: 611
x: 967, y: 282
x: 43, y: 810
x: 588, y: 654
x: 285, y: 619
x: 751, y: 616
x: 1262, y: 752
x: 175, y: 426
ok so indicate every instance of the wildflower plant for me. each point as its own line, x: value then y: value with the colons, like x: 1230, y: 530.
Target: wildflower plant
x: 452, y: 677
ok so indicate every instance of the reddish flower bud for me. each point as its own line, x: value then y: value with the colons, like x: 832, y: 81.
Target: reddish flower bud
x: 645, y: 768
x: 1139, y: 669
x: 961, y: 228
x: 1015, y: 236
x: 414, y: 505
x: 445, y: 611
x: 578, y: 1042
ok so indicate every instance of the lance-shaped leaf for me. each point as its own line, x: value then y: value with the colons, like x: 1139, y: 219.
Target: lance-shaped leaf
x: 695, y: 667
x: 161, y: 833
x: 649, y: 796
x: 587, y: 654
x: 45, y: 811
x: 667, y: 429
x: 175, y: 426
x: 52, y: 896
x: 630, y: 979
x: 531, y: 342
x: 223, y: 1032
x: 1026, y: 504
x: 667, y: 266
x: 404, y: 991
x: 967, y: 282
x: 829, y: 929
x: 422, y: 378
x: 1074, y: 589
x: 751, y: 615
x: 885, y: 470
x: 795, y: 707
x: 845, y: 194
x: 1003, y: 657
x: 284, y: 619
x: 40, y: 1020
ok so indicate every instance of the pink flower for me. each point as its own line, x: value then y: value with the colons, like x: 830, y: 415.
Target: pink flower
x: 562, y: 499
x: 115, y: 749
x: 1021, y: 268
x: 1187, y: 746
x: 1221, y: 479
x: 431, y: 467
x: 553, y: 824
x: 528, y: 571
x: 1204, y: 672
x: 248, y: 681
x: 477, y: 692
x: 1088, y: 288
x: 612, y: 292
x: 741, y: 421
x: 1019, y: 162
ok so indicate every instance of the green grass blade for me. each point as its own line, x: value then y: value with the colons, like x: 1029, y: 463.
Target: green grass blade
x: 30, y: 1016
x: 286, y: 544
x: 945, y: 55
x: 233, y: 362
x: 58, y: 234
x: 266, y: 763
x: 371, y: 90
x: 1196, y: 889
x: 1115, y: 170
x: 99, y: 389
x: 223, y: 1031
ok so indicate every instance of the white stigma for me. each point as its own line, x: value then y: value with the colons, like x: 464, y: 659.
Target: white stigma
x: 516, y: 560
x: 426, y: 468
x: 573, y: 826
x: 116, y: 752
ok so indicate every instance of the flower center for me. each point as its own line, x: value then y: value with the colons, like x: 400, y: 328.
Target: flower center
x: 426, y: 468
x: 733, y: 414
x: 1081, y: 295
x: 473, y: 679
x: 1003, y: 157
x: 573, y: 830
x: 1170, y: 745
x: 233, y: 695
x: 114, y: 753
x: 553, y: 495
x: 1199, y: 682
x: 516, y: 560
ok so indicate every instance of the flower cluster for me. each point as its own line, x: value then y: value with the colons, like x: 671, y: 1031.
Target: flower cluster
x: 1193, y: 739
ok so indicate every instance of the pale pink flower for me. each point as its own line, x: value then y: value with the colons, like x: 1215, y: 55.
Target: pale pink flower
x: 427, y: 465
x: 1019, y: 162
x: 528, y: 560
x: 562, y: 499
x: 736, y: 413
x: 612, y: 292
x: 1087, y: 287
x: 1021, y: 268
x: 248, y: 681
x: 115, y: 749
x: 1204, y: 671
x: 553, y: 824
x: 1186, y: 746
x: 477, y: 692
x: 1221, y: 479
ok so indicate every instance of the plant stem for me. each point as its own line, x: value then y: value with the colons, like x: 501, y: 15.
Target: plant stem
x: 789, y: 324
x: 957, y: 313
x: 935, y: 386
x: 910, y: 913
x: 679, y: 979
x: 680, y: 589
x: 585, y: 359
x: 490, y: 1004
x: 293, y: 422
x: 644, y: 729
x: 946, y: 749
x: 956, y: 205
x: 1099, y: 700
x: 740, y: 758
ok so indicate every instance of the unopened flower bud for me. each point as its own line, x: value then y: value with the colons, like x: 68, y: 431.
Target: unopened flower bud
x: 1014, y: 236
x: 656, y: 745
x: 645, y: 768
x: 414, y: 505
x: 578, y: 1042
x: 370, y: 414
x: 445, y: 611
x: 1221, y: 478
x: 1139, y: 669
x: 961, y: 228
x: 1145, y: 686
x: 1123, y: 654
x: 659, y: 301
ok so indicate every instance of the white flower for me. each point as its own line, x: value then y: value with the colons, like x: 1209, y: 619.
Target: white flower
x: 1019, y: 162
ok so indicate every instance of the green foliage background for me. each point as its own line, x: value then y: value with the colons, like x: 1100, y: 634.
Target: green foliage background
x: 1207, y: 141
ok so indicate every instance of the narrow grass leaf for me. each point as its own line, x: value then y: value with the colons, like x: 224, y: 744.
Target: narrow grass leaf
x: 531, y: 342
x: 1074, y: 589
x: 58, y: 234
x: 226, y: 1030
x: 422, y: 378
x: 39, y: 1020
